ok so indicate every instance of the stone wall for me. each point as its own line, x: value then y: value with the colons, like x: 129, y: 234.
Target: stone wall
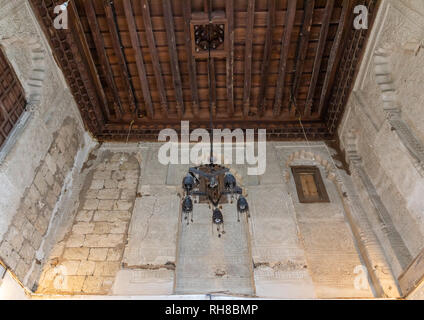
x: 88, y: 257
x: 383, y: 132
x: 126, y: 237
x: 39, y: 160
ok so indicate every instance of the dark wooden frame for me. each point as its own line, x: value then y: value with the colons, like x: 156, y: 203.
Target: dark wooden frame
x: 322, y: 192
x: 12, y: 98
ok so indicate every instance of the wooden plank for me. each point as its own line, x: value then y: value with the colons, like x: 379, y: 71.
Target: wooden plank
x: 285, y: 44
x: 212, y: 85
x: 229, y: 12
x: 145, y: 10
x: 80, y: 35
x: 170, y: 32
x: 267, y: 56
x: 100, y: 49
x: 302, y: 51
x: 333, y: 55
x: 413, y: 276
x: 248, y: 57
x: 141, y: 69
x: 191, y: 62
x: 118, y: 50
x: 318, y: 57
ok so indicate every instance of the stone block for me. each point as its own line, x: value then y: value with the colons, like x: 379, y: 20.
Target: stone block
x: 86, y: 268
x: 84, y: 215
x: 106, y: 204
x: 19, y: 220
x: 97, y: 285
x: 74, y: 283
x: 15, y: 238
x: 57, y: 250
x: 51, y: 199
x: 41, y: 224
x: 22, y: 269
x: 49, y: 178
x: 33, y: 195
x: 27, y: 252
x: 76, y: 253
x: 128, y: 194
x: 110, y: 227
x: 36, y: 239
x: 102, y: 174
x: 57, y: 189
x: 103, y: 241
x: 91, y: 194
x: 111, y: 184
x: 128, y: 184
x: 123, y: 205
x: 108, y: 194
x: 27, y: 229
x: 118, y: 175
x: 97, y: 184
x: 8, y: 255
x: 111, y: 216
x: 98, y: 254
x: 75, y: 241
x: 106, y: 268
x: 83, y: 228
x: 51, y: 164
x: 40, y: 183
x: 90, y: 204
x: 114, y: 254
x: 69, y: 267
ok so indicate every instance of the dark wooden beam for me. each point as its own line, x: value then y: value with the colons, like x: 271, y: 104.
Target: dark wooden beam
x: 302, y: 51
x: 285, y: 44
x: 104, y: 61
x: 333, y: 55
x: 229, y: 12
x: 191, y: 62
x: 82, y: 41
x: 319, y: 55
x: 141, y: 69
x: 270, y: 21
x: 248, y: 57
x: 176, y: 76
x: 413, y: 276
x: 145, y: 10
x: 118, y: 50
x: 212, y: 85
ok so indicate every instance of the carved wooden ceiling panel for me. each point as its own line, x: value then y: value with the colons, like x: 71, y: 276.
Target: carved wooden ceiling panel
x: 136, y: 63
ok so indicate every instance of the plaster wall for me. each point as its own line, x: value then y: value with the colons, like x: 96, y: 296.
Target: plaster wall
x: 284, y: 250
x: 388, y: 91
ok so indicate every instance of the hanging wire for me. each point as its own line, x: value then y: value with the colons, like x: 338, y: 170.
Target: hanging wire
x: 121, y: 161
x: 293, y: 102
x: 209, y: 79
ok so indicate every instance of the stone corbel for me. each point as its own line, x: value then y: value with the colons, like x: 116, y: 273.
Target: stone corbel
x: 392, y: 108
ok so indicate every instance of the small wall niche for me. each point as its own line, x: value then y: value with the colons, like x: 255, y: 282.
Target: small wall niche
x: 309, y: 184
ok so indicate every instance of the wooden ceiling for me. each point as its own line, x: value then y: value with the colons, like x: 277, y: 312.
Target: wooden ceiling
x: 133, y: 68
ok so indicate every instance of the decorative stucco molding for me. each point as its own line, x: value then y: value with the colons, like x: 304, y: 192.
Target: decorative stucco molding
x: 382, y: 277
x: 392, y: 240
x: 392, y: 107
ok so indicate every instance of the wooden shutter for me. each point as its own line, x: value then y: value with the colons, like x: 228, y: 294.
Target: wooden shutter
x: 12, y: 98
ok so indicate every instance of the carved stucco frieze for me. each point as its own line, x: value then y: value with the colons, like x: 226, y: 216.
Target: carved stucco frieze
x: 24, y: 48
x: 393, y: 108
x: 383, y: 279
